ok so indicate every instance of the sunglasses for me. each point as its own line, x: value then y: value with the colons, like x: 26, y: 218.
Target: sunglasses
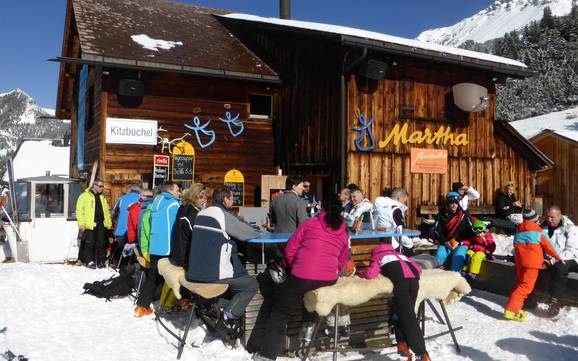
x: 99, y: 185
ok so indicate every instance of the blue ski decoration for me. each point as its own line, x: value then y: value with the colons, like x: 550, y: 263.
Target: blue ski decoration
x: 233, y: 121
x: 201, y: 128
x: 365, y: 128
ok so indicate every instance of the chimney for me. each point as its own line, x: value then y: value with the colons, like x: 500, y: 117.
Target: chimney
x: 285, y: 9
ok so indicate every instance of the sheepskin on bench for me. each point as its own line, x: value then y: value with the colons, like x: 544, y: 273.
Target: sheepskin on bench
x: 445, y: 286
x: 175, y: 278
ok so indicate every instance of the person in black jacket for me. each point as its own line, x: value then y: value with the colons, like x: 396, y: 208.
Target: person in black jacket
x: 194, y: 199
x: 507, y: 206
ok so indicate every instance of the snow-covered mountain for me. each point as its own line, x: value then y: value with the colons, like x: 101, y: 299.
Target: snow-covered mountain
x: 496, y: 20
x: 20, y: 118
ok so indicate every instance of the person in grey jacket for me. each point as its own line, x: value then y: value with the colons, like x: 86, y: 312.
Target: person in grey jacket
x: 214, y: 257
x: 289, y: 209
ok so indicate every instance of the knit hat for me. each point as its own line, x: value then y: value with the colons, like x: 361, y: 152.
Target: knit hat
x: 453, y: 195
x: 457, y: 186
x: 530, y: 215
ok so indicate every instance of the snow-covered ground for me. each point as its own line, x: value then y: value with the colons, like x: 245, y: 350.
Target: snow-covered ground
x: 45, y: 317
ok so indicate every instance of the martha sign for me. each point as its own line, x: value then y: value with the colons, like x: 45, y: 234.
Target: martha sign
x: 131, y: 131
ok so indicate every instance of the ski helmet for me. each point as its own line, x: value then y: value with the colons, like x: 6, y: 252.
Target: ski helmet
x: 479, y: 226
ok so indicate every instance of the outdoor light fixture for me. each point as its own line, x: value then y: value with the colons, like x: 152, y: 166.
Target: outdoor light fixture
x: 470, y: 97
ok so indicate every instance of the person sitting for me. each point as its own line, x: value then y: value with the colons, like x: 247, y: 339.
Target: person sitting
x: 404, y: 273
x: 452, y: 226
x: 564, y: 236
x: 289, y: 209
x: 214, y: 258
x: 345, y: 198
x: 360, y: 206
x: 507, y: 206
x: 390, y: 214
x: 480, y: 247
x: 530, y: 243
x: 466, y: 193
x: 194, y: 200
x: 315, y: 253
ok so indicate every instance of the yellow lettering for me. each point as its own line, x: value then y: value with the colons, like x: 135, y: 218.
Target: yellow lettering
x: 462, y: 139
x: 448, y: 136
x: 397, y: 135
x: 415, y: 137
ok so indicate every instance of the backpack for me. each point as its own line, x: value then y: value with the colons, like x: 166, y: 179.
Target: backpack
x: 114, y: 287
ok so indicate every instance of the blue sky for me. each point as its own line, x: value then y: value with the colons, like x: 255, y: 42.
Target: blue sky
x: 31, y: 30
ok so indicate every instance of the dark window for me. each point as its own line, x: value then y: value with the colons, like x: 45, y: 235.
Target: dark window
x: 22, y: 191
x: 74, y: 191
x: 261, y: 106
x: 49, y: 199
x: 89, y: 108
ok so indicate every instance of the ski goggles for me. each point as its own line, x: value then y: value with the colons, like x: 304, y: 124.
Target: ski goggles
x: 479, y: 229
x: 452, y: 200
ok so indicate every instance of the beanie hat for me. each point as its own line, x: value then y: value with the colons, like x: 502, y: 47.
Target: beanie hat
x: 530, y: 215
x: 457, y: 186
x: 452, y: 195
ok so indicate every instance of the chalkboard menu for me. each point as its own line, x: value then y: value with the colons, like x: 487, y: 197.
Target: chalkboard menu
x: 238, y: 193
x: 160, y: 175
x: 183, y: 166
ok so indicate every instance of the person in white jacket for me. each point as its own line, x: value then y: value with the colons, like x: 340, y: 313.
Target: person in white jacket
x: 564, y: 237
x: 390, y: 214
x: 360, y: 206
x: 467, y: 193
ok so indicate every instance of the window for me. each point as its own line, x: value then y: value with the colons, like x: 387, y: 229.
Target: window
x: 22, y: 201
x: 261, y: 106
x: 49, y: 200
x: 74, y: 191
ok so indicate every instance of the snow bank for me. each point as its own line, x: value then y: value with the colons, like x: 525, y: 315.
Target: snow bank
x: 45, y: 317
x: 154, y: 44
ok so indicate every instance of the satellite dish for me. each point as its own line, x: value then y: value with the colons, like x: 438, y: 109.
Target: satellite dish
x: 470, y: 97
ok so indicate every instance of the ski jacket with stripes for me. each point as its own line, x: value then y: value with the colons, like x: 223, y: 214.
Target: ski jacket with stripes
x: 530, y: 242
x: 391, y: 264
x: 182, y: 233
x: 121, y: 208
x: 214, y: 254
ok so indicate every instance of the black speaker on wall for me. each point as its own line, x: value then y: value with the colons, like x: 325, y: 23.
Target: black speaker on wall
x: 373, y: 69
x: 130, y: 88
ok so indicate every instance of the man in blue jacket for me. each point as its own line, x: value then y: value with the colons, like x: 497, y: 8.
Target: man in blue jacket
x: 162, y: 219
x: 214, y: 257
x: 121, y: 216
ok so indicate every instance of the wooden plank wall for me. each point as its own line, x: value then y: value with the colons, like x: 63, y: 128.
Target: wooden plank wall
x: 485, y: 163
x: 559, y: 185
x: 173, y: 100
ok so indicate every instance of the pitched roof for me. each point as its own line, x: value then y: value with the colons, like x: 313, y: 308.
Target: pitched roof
x: 569, y: 135
x: 163, y: 34
x: 522, y: 146
x: 392, y: 44
x: 564, y: 121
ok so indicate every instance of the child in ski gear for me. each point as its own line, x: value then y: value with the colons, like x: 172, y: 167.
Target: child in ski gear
x: 316, y: 253
x: 453, y: 225
x: 404, y: 274
x: 480, y: 247
x: 530, y: 242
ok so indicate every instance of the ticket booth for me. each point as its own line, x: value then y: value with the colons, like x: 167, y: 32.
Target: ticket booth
x: 46, y: 220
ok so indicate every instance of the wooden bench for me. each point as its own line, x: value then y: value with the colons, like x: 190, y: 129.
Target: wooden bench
x: 500, y: 277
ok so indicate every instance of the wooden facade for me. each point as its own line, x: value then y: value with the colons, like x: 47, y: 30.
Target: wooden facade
x: 559, y: 185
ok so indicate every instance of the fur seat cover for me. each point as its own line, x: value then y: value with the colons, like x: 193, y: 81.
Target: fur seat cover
x: 175, y: 278
x: 437, y: 284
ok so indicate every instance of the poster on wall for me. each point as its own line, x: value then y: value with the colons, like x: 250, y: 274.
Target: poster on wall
x: 235, y: 180
x: 429, y: 161
x: 183, y: 169
x: 160, y: 169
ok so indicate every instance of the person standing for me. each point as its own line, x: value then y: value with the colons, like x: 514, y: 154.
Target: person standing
x: 466, y: 193
x: 194, y: 200
x: 564, y: 236
x: 162, y: 219
x: 93, y: 218
x: 316, y: 253
x: 404, y: 274
x: 530, y: 243
x: 214, y: 257
x: 121, y: 215
x: 289, y: 210
x: 312, y: 204
x: 390, y: 214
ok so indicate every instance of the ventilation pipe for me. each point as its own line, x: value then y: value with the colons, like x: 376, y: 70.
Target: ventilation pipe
x: 285, y: 9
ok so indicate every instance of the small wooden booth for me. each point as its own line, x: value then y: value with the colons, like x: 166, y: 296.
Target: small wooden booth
x: 252, y: 94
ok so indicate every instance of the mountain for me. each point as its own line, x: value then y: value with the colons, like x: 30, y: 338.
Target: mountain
x: 496, y: 20
x: 20, y: 118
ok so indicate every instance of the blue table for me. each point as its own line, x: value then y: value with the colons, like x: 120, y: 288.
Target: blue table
x: 271, y: 238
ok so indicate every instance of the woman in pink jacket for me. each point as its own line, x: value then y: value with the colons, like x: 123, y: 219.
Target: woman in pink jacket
x: 316, y: 253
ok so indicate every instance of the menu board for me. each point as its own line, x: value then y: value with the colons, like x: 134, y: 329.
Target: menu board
x: 183, y: 167
x: 236, y: 182
x: 160, y: 169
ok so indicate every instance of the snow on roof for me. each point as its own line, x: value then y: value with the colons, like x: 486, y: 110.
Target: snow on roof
x: 564, y: 123
x: 154, y: 44
x: 344, y: 30
x: 37, y: 156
